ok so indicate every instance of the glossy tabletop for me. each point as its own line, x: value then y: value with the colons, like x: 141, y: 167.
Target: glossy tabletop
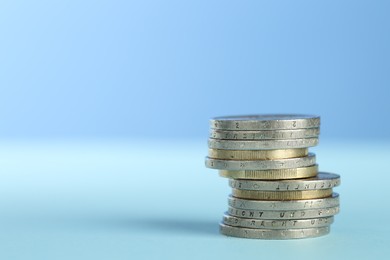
x: 126, y: 199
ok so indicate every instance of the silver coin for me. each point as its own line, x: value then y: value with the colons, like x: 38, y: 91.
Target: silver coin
x: 284, y: 214
x: 265, y: 134
x: 328, y: 202
x: 261, y: 144
x: 258, y: 233
x: 240, y: 165
x: 265, y: 122
x: 323, y: 180
x: 276, y: 224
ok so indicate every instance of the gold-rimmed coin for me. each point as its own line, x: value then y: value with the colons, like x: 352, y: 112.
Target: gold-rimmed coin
x: 281, y: 195
x: 277, y: 174
x: 257, y: 154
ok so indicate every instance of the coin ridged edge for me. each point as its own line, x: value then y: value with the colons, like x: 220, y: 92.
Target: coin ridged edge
x: 261, y: 144
x: 277, y: 223
x: 275, y: 174
x: 264, y: 134
x: 273, y: 233
x: 235, y: 165
x: 257, y: 154
x: 265, y: 122
x: 330, y: 201
x: 281, y: 195
x: 323, y: 180
x: 284, y: 214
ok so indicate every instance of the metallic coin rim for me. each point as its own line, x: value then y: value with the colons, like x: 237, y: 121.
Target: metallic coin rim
x: 257, y: 154
x: 288, y: 163
x: 261, y: 144
x: 276, y: 223
x: 284, y: 214
x: 264, y: 134
x: 281, y: 195
x: 275, y: 174
x: 275, y: 234
x: 323, y: 180
x: 265, y: 122
x: 328, y: 202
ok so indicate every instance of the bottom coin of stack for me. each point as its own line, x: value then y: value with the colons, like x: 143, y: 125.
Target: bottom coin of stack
x: 281, y: 209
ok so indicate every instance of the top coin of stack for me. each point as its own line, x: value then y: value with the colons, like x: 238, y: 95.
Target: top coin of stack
x: 274, y: 178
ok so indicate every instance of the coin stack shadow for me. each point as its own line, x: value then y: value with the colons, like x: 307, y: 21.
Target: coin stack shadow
x: 277, y: 191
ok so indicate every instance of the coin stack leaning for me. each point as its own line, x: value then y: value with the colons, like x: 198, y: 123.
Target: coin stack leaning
x: 277, y: 191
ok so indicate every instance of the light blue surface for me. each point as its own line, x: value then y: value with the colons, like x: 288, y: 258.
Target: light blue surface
x: 123, y: 199
x: 99, y: 68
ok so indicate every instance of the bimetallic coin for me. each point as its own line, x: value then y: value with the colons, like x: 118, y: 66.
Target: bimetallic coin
x: 265, y: 122
x: 288, y: 163
x: 257, y: 154
x: 266, y: 134
x: 273, y: 233
x: 261, y: 144
x: 247, y: 204
x: 323, y: 180
x: 284, y: 214
x: 276, y: 224
x: 276, y: 174
x: 281, y: 195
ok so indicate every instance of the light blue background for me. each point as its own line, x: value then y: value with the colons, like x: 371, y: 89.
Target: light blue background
x: 104, y: 109
x: 144, y: 68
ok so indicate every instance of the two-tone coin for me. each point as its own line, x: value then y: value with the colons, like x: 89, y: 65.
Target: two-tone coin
x: 264, y: 135
x: 276, y: 224
x: 284, y: 214
x: 265, y: 122
x: 274, y: 174
x: 262, y: 144
x: 281, y: 195
x: 257, y: 154
x: 234, y: 165
x: 328, y: 202
x: 323, y: 180
x: 273, y: 233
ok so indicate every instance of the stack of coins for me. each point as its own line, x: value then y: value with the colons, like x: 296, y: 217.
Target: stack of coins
x: 277, y: 191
